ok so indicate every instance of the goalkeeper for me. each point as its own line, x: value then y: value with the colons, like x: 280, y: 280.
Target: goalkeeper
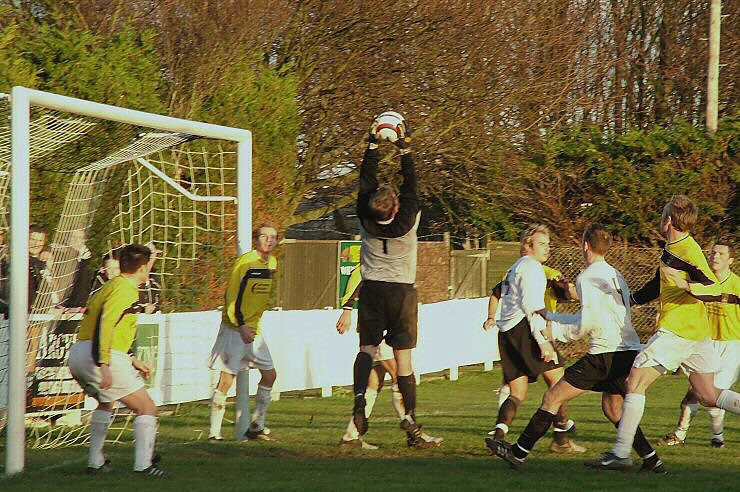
x: 382, y: 362
x: 388, y: 225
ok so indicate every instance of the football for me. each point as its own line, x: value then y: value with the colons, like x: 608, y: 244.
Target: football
x: 389, y: 126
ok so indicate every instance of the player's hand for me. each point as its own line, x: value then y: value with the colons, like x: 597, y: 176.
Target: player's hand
x: 548, y: 331
x: 142, y: 367
x: 106, y: 379
x: 149, y: 308
x: 547, y: 352
x: 675, y: 276
x: 489, y: 323
x: 562, y: 288
x: 247, y: 333
x: 344, y: 321
x: 404, y: 136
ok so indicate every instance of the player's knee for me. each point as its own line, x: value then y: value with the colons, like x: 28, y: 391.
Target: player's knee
x: 224, y: 382
x: 611, y: 412
x: 707, y: 396
x: 370, y: 350
x: 550, y: 401
x: 635, y: 384
x: 147, y: 408
x: 268, y: 377
x: 689, y: 398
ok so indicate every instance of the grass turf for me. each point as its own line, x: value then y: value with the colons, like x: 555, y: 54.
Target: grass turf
x: 307, y: 455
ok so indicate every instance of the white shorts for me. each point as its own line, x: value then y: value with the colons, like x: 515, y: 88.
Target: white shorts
x: 230, y: 353
x: 385, y: 352
x: 729, y: 363
x: 671, y: 351
x: 126, y: 379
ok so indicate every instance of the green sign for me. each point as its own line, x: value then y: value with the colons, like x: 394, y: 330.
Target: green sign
x: 146, y: 347
x: 348, y: 260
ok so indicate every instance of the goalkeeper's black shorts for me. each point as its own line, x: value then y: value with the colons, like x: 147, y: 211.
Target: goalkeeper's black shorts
x: 388, y: 310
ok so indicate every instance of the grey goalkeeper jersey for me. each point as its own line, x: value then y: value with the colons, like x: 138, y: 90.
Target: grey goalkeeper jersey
x: 390, y: 259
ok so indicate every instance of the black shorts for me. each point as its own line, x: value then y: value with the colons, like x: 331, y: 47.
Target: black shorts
x: 520, y: 354
x: 390, y: 309
x: 603, y: 373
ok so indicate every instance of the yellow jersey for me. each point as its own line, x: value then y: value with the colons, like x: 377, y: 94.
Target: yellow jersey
x: 553, y: 294
x: 681, y: 312
x: 110, y: 318
x: 724, y: 316
x: 249, y: 290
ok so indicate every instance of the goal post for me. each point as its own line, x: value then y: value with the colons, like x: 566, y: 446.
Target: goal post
x: 21, y: 102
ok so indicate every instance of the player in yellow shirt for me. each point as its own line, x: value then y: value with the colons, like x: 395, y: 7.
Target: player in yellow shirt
x: 240, y: 344
x: 724, y: 320
x: 684, y: 337
x: 101, y: 364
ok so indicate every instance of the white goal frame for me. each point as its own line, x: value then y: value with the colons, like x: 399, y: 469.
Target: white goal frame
x: 20, y: 196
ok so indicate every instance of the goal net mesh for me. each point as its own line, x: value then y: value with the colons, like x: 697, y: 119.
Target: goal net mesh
x: 97, y: 185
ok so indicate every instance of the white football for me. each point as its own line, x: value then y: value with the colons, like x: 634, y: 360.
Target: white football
x: 388, y: 126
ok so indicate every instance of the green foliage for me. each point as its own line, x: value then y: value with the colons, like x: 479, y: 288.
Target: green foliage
x: 14, y: 68
x: 122, y: 69
x: 259, y: 97
x: 582, y: 175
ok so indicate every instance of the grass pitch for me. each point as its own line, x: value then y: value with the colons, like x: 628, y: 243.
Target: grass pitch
x: 307, y: 457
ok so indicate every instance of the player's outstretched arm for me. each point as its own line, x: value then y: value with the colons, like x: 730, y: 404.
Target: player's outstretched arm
x: 368, y: 173
x: 648, y: 292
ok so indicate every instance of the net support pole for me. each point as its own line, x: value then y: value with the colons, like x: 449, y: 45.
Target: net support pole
x: 244, y: 195
x: 20, y: 192
x: 244, y: 244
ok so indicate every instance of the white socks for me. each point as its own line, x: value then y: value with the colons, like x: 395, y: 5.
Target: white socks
x: 684, y: 420
x: 261, y: 402
x: 730, y: 401
x: 99, y: 424
x: 370, y: 396
x: 503, y: 393
x: 351, y: 433
x: 718, y: 422
x: 503, y: 427
x: 218, y: 409
x: 397, y: 400
x: 632, y: 410
x: 145, y: 433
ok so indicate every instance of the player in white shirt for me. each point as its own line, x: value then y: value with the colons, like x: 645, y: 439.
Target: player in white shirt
x: 525, y: 353
x: 559, y: 289
x: 605, y: 318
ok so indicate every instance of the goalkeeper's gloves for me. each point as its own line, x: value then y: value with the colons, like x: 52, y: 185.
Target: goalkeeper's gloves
x: 404, y: 137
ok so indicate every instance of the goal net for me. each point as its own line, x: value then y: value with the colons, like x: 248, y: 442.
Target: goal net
x: 101, y: 177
